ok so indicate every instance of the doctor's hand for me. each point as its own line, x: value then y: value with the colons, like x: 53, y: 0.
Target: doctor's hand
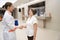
x: 12, y: 30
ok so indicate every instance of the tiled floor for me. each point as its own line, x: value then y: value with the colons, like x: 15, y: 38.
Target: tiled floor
x: 42, y: 34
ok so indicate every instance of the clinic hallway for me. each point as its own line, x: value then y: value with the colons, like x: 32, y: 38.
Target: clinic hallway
x: 42, y: 34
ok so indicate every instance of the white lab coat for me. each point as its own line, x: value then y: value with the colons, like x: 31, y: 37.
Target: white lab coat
x: 8, y: 24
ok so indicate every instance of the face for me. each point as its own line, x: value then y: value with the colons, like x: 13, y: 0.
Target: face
x: 11, y: 8
x: 30, y: 12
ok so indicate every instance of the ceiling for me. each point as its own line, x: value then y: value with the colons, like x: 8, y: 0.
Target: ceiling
x: 15, y: 2
x: 2, y: 2
x: 21, y: 2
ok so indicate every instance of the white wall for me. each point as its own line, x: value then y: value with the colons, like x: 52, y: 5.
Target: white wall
x: 53, y: 6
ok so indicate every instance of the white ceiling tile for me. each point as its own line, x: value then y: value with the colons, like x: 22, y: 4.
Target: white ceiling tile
x: 2, y: 2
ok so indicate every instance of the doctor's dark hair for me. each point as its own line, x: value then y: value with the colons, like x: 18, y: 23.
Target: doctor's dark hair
x: 3, y: 6
x: 7, y: 4
x: 33, y: 10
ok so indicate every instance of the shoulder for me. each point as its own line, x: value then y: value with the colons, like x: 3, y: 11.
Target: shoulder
x: 34, y: 18
x: 6, y: 14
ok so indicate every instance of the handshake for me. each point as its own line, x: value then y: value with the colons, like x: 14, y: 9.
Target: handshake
x: 17, y: 27
x: 21, y: 27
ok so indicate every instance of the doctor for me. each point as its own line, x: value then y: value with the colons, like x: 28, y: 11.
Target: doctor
x: 8, y: 23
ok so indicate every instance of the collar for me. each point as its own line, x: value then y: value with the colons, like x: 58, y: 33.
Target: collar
x: 8, y: 12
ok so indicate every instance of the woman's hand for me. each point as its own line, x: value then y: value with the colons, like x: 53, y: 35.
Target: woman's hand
x: 35, y: 31
x: 24, y: 27
x: 34, y: 38
x: 20, y: 27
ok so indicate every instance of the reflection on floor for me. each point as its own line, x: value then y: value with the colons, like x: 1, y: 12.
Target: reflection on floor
x: 42, y: 34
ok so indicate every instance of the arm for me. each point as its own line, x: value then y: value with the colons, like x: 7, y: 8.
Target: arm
x: 10, y: 23
x: 12, y: 30
x: 22, y: 26
x: 35, y: 30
